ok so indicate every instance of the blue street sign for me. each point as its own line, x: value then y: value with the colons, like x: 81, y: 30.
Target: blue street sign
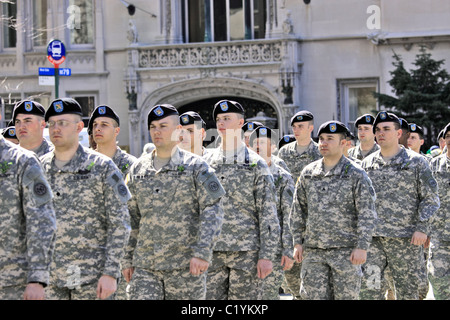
x: 56, y: 52
x: 46, y: 71
x: 65, y: 72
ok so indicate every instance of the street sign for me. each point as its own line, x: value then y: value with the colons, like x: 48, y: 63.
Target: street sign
x: 46, y: 80
x: 56, y: 52
x: 65, y: 72
x: 46, y: 71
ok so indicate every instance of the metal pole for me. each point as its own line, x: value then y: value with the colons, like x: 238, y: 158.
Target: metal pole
x: 56, y: 81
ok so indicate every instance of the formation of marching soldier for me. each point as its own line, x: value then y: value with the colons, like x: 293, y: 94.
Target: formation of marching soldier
x: 253, y: 216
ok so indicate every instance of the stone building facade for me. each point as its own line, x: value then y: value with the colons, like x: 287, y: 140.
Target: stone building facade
x: 273, y: 56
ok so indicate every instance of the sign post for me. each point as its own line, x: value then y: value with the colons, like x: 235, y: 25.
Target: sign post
x: 56, y: 54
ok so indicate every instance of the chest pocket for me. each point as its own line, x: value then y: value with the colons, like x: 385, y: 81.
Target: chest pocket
x: 82, y: 186
x: 443, y: 181
x: 331, y: 191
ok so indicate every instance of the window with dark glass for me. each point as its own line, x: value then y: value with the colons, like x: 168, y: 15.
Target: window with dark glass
x: 223, y: 20
x: 9, y: 22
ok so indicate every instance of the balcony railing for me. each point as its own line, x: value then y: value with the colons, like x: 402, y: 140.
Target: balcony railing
x: 211, y: 54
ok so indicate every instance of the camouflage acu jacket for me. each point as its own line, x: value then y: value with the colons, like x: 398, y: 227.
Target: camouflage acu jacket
x: 406, y: 193
x: 356, y: 152
x: 250, y: 209
x: 334, y: 209
x: 27, y: 218
x: 91, y: 211
x: 295, y: 161
x: 440, y: 223
x: 284, y: 186
x: 176, y: 212
x: 123, y: 161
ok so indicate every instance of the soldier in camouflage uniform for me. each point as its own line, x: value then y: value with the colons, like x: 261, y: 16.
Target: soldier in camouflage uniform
x: 297, y: 155
x: 28, y: 118
x: 91, y: 210
x: 439, y: 264
x: 27, y: 225
x: 333, y: 219
x: 406, y: 200
x: 248, y: 245
x: 176, y: 216
x: 262, y: 141
x: 104, y: 124
x: 193, y: 132
x: 367, y: 144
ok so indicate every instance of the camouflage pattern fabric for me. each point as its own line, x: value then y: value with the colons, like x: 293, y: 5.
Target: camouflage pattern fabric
x: 439, y: 261
x: 404, y: 263
x: 233, y: 276
x: 84, y: 292
x: 92, y: 215
x: 123, y: 161
x: 356, y: 152
x: 44, y: 148
x: 250, y: 215
x: 284, y: 185
x: 406, y: 200
x: 27, y: 219
x: 296, y: 162
x: 176, y: 213
x: 334, y: 209
x: 328, y: 274
x: 335, y: 212
x: 406, y: 193
x: 176, y: 284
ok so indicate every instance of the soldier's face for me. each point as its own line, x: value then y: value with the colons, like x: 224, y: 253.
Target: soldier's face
x: 105, y: 130
x: 64, y: 130
x: 387, y: 135
x: 229, y: 124
x: 165, y: 132
x: 331, y: 145
x: 263, y: 147
x: 414, y: 141
x: 302, y: 130
x: 29, y: 127
x: 365, y: 133
x: 447, y: 140
x: 191, y: 137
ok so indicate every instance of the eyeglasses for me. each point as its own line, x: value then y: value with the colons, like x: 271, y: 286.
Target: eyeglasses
x: 60, y: 123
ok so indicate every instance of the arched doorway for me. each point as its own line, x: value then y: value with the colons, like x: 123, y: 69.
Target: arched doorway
x: 252, y: 107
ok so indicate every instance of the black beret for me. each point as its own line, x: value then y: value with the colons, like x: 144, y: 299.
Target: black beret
x: 102, y: 111
x: 384, y: 116
x: 302, y: 116
x: 333, y: 127
x: 415, y: 128
x: 161, y: 111
x: 250, y: 126
x: 263, y: 132
x: 445, y: 130
x: 227, y: 106
x: 366, y: 119
x: 285, y: 140
x: 9, y: 132
x: 404, y: 124
x: 191, y: 117
x: 63, y: 106
x: 28, y: 107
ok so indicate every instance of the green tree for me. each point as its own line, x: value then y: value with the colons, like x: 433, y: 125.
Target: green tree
x: 421, y: 95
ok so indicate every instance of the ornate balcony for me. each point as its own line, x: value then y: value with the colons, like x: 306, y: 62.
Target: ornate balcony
x: 211, y: 54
